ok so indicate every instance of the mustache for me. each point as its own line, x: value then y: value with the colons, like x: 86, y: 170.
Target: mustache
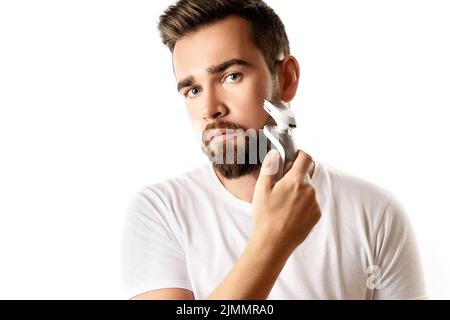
x: 223, y: 125
x: 220, y: 125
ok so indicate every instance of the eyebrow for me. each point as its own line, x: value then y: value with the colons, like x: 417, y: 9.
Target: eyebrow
x: 213, y: 70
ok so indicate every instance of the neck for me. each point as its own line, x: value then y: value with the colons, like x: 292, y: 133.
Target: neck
x: 244, y: 187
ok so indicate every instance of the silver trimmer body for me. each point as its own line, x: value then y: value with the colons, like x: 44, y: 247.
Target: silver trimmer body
x: 281, y: 135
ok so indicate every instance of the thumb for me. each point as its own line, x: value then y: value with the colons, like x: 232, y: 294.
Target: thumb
x: 269, y: 169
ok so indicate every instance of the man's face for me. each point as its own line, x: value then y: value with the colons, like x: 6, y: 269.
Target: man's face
x: 224, y: 80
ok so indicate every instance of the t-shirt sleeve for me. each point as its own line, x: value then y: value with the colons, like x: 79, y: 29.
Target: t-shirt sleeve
x: 400, y: 274
x: 152, y: 255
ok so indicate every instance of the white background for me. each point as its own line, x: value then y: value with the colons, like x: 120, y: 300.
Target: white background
x: 89, y: 114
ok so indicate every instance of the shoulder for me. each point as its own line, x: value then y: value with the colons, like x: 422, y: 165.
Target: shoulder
x: 162, y: 207
x: 170, y: 194
x: 354, y: 195
x: 175, y: 186
x: 351, y: 185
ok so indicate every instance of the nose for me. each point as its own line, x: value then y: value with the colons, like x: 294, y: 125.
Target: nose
x: 213, y: 107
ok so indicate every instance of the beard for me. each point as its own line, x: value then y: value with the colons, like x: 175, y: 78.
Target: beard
x: 239, y: 155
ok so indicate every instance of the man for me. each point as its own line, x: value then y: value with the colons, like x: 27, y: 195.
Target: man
x: 227, y: 230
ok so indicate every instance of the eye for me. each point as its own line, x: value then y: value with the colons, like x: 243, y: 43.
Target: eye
x: 192, y: 92
x: 233, y: 77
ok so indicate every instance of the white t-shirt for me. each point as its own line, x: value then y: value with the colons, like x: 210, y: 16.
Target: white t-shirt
x: 188, y: 232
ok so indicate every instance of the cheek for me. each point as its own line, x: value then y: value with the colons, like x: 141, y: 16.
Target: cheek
x: 195, y: 117
x: 193, y: 109
x: 196, y: 123
x: 250, y: 97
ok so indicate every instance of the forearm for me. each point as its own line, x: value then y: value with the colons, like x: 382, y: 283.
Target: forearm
x: 253, y: 276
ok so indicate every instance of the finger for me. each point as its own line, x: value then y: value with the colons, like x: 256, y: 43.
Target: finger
x: 269, y: 169
x: 288, y: 166
x: 301, y: 165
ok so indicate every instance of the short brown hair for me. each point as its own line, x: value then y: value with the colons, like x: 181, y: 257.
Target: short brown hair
x: 267, y: 30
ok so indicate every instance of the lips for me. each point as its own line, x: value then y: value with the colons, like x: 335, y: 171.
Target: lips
x: 219, y: 135
x: 215, y: 133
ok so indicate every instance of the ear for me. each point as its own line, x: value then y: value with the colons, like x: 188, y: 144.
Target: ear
x: 289, y: 76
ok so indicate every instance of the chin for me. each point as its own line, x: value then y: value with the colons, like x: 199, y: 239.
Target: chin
x: 233, y: 164
x: 234, y: 171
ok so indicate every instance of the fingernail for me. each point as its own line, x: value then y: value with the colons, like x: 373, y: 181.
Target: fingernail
x: 271, y: 156
x: 274, y: 155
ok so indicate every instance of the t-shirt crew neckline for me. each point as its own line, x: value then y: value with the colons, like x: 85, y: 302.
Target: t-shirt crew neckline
x: 227, y: 195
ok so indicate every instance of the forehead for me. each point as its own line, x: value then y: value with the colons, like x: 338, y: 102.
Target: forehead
x: 213, y: 44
